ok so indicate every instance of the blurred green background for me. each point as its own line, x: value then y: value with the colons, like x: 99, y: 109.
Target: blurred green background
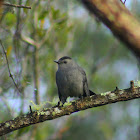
x: 52, y: 29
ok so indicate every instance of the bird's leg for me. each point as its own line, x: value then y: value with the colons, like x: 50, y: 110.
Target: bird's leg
x: 81, y: 97
x: 63, y: 100
x: 91, y: 93
x: 58, y: 103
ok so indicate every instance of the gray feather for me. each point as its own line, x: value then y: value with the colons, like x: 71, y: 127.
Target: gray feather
x: 71, y: 80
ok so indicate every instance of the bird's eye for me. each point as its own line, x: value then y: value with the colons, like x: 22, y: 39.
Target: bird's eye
x: 65, y: 62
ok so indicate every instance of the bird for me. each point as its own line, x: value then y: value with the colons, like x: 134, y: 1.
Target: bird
x: 71, y: 80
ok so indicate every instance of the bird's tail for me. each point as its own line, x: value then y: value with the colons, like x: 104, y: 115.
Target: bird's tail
x: 91, y: 93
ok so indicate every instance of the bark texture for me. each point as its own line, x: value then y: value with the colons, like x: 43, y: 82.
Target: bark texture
x: 119, y: 20
x: 75, y: 106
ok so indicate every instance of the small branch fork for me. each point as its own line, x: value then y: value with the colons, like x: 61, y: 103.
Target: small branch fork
x: 34, y: 117
x: 123, y: 2
x: 9, y: 71
x: 17, y: 6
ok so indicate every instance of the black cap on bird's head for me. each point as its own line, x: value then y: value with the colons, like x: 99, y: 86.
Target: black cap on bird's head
x: 62, y: 59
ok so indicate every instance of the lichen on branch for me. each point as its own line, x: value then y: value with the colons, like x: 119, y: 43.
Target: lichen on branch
x: 88, y: 102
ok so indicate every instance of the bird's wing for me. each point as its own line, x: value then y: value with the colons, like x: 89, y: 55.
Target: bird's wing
x: 57, y: 82
x: 85, y: 83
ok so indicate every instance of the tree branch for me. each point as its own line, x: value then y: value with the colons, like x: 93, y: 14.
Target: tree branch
x: 123, y: 2
x: 36, y: 74
x: 17, y: 6
x: 9, y: 71
x: 119, y: 20
x: 75, y: 106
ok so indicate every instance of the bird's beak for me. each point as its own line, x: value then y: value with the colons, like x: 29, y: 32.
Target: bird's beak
x: 56, y: 61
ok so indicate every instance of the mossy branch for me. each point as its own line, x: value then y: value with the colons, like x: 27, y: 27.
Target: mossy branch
x: 52, y: 113
x: 119, y: 20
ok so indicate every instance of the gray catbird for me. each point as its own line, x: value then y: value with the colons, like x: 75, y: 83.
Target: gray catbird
x: 71, y: 80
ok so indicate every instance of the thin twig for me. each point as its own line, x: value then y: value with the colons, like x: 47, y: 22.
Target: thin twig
x: 17, y: 6
x: 36, y: 75
x: 30, y: 109
x: 29, y: 40
x: 123, y: 2
x: 16, y: 42
x: 45, y: 37
x: 10, y: 75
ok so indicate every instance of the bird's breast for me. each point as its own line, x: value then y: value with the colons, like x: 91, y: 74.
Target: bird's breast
x: 70, y: 82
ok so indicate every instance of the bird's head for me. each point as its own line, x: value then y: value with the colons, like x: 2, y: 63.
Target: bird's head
x: 65, y: 62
